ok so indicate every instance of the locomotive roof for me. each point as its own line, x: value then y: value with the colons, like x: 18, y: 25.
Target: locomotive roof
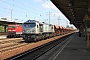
x: 30, y: 21
x: 34, y: 21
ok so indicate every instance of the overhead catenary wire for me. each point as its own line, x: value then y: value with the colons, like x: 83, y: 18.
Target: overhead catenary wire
x: 24, y: 5
x: 9, y: 11
x: 18, y: 6
x: 23, y: 9
x: 52, y: 8
x: 49, y: 5
x: 28, y: 7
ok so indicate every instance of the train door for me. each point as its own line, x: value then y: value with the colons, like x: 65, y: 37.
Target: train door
x: 40, y: 27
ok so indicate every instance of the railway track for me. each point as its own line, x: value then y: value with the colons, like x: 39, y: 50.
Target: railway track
x: 11, y: 46
x: 5, y: 39
x: 38, y: 51
x: 12, y: 40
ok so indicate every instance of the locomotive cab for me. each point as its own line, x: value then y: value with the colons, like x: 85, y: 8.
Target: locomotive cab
x: 32, y: 27
x: 35, y: 30
x: 31, y: 30
x: 14, y: 30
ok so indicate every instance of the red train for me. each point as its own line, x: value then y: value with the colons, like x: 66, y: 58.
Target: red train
x: 14, y: 30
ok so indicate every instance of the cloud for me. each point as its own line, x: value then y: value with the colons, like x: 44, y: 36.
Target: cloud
x: 8, y: 7
x: 50, y: 5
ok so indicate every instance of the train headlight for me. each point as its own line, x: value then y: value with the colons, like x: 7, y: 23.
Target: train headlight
x: 9, y: 30
x: 28, y: 31
x: 13, y: 30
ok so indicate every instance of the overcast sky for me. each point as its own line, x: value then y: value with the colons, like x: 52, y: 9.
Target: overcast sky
x: 41, y: 10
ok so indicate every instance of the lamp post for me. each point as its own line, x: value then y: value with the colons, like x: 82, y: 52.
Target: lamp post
x: 49, y: 16
x: 11, y: 14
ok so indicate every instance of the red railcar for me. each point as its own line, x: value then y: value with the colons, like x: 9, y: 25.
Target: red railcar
x: 61, y: 30
x: 14, y: 30
x: 57, y: 30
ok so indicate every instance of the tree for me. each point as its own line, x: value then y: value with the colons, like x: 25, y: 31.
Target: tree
x: 72, y: 27
x: 67, y: 26
x: 1, y: 28
x: 4, y: 18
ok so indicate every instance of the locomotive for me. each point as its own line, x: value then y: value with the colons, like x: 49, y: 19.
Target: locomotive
x: 14, y: 30
x: 34, y: 30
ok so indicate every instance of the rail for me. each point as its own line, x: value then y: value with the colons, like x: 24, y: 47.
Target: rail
x: 3, y: 33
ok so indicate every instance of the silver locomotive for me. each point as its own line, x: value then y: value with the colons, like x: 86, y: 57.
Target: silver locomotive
x: 34, y: 30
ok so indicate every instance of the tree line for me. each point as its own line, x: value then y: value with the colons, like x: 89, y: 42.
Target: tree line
x: 2, y: 29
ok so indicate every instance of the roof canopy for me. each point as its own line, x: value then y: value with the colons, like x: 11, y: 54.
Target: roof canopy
x: 75, y: 10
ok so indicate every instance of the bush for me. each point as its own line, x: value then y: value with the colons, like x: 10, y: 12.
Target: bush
x: 2, y: 29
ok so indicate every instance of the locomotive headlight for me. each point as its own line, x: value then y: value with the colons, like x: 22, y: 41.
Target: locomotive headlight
x: 13, y: 30
x: 28, y: 31
x: 9, y: 30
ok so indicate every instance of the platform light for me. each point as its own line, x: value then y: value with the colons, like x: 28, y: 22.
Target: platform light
x: 70, y: 3
x: 89, y: 8
x: 73, y: 15
x: 72, y: 12
x: 71, y: 9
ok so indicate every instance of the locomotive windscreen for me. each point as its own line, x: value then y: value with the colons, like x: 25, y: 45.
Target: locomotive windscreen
x: 11, y: 26
x: 29, y: 25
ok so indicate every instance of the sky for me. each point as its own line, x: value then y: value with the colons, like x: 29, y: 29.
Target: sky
x: 40, y: 10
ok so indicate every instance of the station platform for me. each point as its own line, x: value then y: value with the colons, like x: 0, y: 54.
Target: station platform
x: 3, y: 36
x: 76, y: 49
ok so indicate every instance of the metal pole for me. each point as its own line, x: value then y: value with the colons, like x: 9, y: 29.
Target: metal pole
x: 49, y: 17
x: 11, y: 14
x: 59, y: 21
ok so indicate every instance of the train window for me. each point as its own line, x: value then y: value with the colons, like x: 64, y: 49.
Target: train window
x: 29, y: 25
x: 11, y: 26
x: 37, y: 26
x: 52, y: 27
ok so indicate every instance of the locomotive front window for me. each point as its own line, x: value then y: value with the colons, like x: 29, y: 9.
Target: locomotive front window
x: 29, y: 25
x: 11, y: 26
